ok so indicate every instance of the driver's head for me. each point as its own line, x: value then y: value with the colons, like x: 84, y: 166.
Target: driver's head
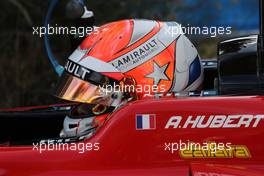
x: 130, y: 59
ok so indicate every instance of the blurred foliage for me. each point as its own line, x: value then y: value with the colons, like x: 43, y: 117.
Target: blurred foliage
x: 27, y: 77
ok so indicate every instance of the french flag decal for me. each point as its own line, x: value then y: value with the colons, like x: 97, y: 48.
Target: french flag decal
x: 145, y: 121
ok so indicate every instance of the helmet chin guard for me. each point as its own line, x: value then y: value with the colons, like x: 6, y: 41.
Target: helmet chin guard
x: 84, y: 119
x: 76, y: 127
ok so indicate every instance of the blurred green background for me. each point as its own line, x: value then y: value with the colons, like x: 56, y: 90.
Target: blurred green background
x: 26, y: 75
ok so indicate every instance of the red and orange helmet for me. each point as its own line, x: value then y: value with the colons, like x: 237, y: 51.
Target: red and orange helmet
x: 146, y: 54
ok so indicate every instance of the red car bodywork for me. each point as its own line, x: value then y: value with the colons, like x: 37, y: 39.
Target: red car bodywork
x: 124, y: 150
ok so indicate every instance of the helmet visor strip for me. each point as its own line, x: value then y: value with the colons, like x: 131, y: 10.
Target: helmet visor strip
x: 75, y: 89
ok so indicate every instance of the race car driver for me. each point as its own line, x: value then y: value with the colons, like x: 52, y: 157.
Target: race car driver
x: 128, y: 53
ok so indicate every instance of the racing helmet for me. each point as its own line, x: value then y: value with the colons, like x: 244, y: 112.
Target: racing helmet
x: 147, y: 57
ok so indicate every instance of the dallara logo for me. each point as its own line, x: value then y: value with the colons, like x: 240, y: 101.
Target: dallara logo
x: 235, y: 151
x: 215, y: 121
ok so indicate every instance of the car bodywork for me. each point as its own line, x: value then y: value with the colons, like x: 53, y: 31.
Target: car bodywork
x: 119, y: 147
x: 125, y: 150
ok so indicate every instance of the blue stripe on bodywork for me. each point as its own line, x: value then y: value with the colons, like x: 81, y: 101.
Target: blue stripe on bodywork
x: 194, y: 71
